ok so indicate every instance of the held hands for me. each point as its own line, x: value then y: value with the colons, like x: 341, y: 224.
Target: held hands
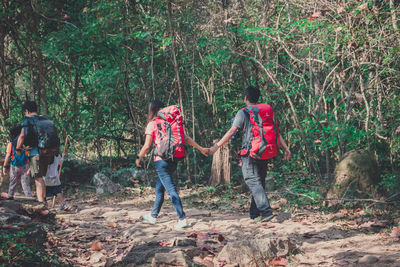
x: 204, y: 151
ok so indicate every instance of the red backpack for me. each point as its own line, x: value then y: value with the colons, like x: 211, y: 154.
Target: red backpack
x: 264, y: 133
x: 170, y: 138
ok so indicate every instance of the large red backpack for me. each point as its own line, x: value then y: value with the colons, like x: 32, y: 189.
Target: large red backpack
x: 170, y: 139
x: 263, y: 140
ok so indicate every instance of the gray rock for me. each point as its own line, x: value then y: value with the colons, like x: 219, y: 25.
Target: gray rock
x: 358, y: 169
x: 253, y: 252
x: 368, y: 259
x: 169, y: 259
x: 104, y: 184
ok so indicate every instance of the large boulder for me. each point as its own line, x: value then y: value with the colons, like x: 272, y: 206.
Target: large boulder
x: 357, y: 171
x: 104, y: 184
x: 255, y: 252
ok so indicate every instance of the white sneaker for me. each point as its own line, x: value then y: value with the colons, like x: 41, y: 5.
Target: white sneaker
x: 148, y: 218
x: 181, y: 224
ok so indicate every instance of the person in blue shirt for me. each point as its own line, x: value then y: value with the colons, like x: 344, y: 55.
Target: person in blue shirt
x: 28, y: 140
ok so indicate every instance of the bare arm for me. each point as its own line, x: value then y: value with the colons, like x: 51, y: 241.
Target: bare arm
x: 6, y: 163
x: 287, y: 154
x: 21, y: 138
x: 194, y: 144
x: 146, y: 147
x: 224, y: 139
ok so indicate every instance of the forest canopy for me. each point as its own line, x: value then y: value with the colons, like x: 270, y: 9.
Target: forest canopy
x: 330, y: 69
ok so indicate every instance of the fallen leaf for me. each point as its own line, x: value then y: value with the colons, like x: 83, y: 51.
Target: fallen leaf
x: 395, y: 232
x: 166, y: 244
x: 278, y: 261
x: 222, y: 263
x: 366, y: 224
x: 317, y: 141
x: 96, y: 246
x: 112, y: 224
x: 314, y: 16
x: 363, y: 6
x: 221, y: 238
x: 357, y: 210
x: 13, y: 245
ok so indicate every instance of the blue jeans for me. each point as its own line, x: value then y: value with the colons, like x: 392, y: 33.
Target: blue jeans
x: 254, y: 172
x: 164, y: 182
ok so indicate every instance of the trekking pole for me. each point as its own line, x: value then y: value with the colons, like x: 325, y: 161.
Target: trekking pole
x: 61, y: 164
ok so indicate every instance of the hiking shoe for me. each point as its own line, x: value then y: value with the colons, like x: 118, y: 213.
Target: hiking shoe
x: 264, y: 218
x: 148, y: 218
x: 181, y: 224
x: 64, y: 206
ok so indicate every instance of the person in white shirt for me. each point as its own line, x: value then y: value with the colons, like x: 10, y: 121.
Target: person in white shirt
x: 53, y: 183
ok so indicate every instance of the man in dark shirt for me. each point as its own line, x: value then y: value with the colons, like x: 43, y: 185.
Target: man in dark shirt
x: 28, y: 140
x: 254, y: 170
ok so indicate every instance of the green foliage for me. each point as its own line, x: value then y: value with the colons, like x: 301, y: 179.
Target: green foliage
x: 20, y: 248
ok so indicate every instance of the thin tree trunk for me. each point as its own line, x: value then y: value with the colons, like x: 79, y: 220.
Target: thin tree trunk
x: 174, y: 61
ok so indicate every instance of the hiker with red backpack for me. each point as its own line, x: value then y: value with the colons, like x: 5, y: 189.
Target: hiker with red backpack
x: 260, y: 142
x: 39, y: 137
x: 165, y: 129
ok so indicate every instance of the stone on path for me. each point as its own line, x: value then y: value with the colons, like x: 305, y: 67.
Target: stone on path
x: 104, y: 184
x: 169, y: 259
x: 368, y: 259
x: 252, y: 252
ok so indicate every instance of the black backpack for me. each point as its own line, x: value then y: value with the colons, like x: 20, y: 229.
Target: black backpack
x: 41, y: 132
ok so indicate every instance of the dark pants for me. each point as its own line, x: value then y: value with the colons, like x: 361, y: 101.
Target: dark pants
x: 164, y: 182
x: 254, y: 172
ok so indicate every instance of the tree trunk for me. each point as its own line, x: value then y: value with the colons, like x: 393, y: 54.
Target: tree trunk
x: 221, y: 167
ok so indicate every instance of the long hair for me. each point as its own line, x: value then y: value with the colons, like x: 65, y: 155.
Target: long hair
x: 154, y: 107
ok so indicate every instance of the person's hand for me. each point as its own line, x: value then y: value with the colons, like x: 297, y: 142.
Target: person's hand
x: 138, y: 163
x: 287, y: 155
x: 204, y: 151
x: 28, y: 172
x: 213, y: 149
x: 5, y: 171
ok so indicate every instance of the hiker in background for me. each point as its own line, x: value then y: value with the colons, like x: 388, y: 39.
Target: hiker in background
x: 16, y: 165
x: 260, y: 142
x: 165, y: 129
x: 53, y: 183
x: 33, y: 139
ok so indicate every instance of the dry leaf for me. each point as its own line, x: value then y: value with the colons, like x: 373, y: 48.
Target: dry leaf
x: 395, y: 232
x: 340, y: 9
x: 363, y: 6
x: 278, y: 261
x: 112, y: 224
x: 166, y: 244
x: 96, y: 246
x: 314, y: 16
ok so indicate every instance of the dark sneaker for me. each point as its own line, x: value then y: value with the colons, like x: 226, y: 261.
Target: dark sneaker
x: 264, y: 218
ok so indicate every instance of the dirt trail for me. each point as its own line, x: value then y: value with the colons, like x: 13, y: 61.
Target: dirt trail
x: 321, y: 240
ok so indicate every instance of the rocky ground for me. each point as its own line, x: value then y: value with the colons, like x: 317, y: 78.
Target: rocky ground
x: 108, y: 231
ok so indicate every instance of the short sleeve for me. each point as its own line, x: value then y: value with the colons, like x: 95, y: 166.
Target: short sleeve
x: 149, y: 128
x: 239, y: 119
x: 9, y: 148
